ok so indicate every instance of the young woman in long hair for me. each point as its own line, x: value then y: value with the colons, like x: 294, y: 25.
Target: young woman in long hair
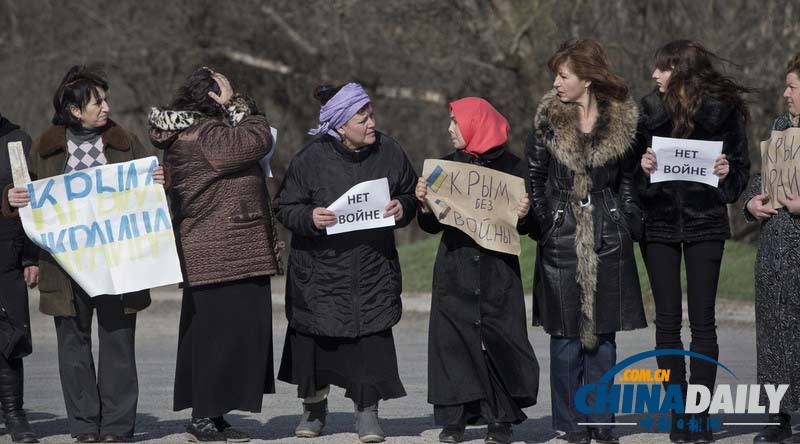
x: 693, y: 100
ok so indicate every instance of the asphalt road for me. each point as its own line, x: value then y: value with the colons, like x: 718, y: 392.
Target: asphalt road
x: 406, y: 420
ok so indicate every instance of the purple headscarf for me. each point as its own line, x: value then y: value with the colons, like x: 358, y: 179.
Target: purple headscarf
x: 339, y: 109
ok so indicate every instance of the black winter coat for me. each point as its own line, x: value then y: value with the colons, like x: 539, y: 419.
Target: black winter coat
x: 583, y: 198
x: 680, y: 211
x: 16, y: 250
x: 477, y: 299
x: 348, y: 284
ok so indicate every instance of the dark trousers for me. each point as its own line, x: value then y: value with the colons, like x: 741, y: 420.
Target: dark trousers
x: 105, y: 401
x: 703, y: 260
x: 571, y: 367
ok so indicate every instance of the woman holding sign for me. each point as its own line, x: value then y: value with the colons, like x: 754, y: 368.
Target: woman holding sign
x: 778, y: 281
x: 343, y: 290
x: 83, y: 136
x: 480, y: 363
x: 693, y: 100
x: 582, y: 164
x: 225, y: 230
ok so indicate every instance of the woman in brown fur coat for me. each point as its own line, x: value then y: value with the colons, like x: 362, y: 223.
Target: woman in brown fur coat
x: 581, y: 165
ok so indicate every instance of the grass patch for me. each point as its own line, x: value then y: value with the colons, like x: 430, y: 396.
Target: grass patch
x: 735, y: 282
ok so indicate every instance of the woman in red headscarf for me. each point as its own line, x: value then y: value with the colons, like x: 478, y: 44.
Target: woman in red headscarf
x: 481, y: 366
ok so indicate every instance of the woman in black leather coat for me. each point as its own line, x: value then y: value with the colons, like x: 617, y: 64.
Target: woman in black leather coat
x: 582, y: 169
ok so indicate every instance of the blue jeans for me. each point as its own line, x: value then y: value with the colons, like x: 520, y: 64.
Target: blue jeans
x: 571, y: 367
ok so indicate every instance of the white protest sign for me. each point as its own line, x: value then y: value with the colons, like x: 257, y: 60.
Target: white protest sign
x: 264, y: 162
x: 479, y: 201
x: 108, y: 226
x: 685, y: 159
x: 362, y: 207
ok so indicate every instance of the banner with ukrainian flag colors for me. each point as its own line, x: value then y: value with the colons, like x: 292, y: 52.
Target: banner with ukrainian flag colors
x: 109, y: 227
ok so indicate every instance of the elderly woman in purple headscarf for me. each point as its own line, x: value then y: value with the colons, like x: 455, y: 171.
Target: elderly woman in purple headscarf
x: 343, y: 290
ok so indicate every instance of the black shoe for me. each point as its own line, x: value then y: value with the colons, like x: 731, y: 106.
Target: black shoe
x: 452, y: 433
x: 775, y: 433
x: 87, y: 437
x: 581, y: 437
x: 203, y: 430
x: 794, y: 439
x: 705, y: 435
x: 498, y: 433
x: 679, y: 433
x: 110, y: 437
x: 604, y: 435
x: 19, y: 429
x: 231, y: 434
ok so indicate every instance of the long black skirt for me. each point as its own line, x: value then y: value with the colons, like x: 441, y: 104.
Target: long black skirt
x: 365, y: 367
x: 225, y: 348
x: 498, y: 405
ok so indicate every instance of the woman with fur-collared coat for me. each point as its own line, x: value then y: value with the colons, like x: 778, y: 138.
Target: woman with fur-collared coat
x: 213, y: 141
x: 582, y: 167
x: 101, y: 405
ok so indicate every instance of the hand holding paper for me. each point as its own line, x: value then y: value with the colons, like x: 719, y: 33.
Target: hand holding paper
x: 791, y: 202
x: 760, y: 208
x: 18, y: 197
x: 394, y: 208
x: 648, y: 162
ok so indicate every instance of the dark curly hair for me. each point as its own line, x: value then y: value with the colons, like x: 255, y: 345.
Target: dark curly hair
x: 79, y: 87
x: 193, y: 94
x: 696, y: 76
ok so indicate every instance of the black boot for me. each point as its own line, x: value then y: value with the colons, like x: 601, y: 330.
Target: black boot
x: 679, y: 433
x: 11, y: 400
x: 775, y: 433
x: 705, y: 435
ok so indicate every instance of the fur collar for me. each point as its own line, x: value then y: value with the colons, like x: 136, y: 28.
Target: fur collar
x: 712, y: 115
x: 54, y: 139
x: 557, y: 123
x: 237, y: 108
x: 169, y: 120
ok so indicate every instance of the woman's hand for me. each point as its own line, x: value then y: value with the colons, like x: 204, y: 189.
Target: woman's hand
x: 226, y: 91
x: 158, y: 175
x: 31, y: 275
x: 323, y: 217
x: 757, y: 206
x: 421, y: 191
x: 721, y: 167
x: 18, y: 197
x: 648, y: 162
x: 791, y: 202
x: 523, y: 206
x: 394, y: 208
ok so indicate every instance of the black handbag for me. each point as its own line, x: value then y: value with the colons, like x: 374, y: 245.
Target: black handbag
x: 13, y: 338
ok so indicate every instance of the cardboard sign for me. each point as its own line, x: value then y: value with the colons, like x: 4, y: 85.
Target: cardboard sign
x: 685, y: 159
x: 108, y: 226
x: 362, y: 207
x: 780, y: 161
x: 479, y: 201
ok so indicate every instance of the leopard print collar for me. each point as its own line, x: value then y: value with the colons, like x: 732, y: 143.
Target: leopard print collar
x: 173, y: 120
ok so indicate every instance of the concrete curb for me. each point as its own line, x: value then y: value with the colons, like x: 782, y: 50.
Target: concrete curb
x: 167, y: 299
